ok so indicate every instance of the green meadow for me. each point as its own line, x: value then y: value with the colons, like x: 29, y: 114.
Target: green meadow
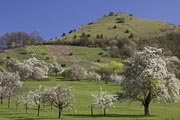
x: 83, y: 91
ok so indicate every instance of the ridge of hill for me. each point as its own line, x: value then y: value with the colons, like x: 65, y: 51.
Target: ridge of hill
x: 119, y: 26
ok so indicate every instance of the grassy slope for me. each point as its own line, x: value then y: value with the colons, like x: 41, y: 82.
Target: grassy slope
x: 89, y: 56
x: 82, y: 91
x: 27, y: 52
x: 139, y: 27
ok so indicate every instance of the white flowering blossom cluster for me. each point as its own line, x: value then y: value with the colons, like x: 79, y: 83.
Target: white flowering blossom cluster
x: 102, y: 100
x: 55, y: 68
x: 147, y: 76
x: 93, y: 76
x: 62, y: 98
x: 75, y: 72
x: 9, y: 83
x: 116, y: 78
x: 31, y: 68
x: 25, y: 99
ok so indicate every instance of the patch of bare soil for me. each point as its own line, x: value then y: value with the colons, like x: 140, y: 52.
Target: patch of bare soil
x: 63, y: 53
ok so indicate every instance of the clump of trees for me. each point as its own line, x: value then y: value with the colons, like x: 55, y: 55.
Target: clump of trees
x: 31, y: 68
x: 59, y: 96
x: 148, y: 76
x: 18, y: 39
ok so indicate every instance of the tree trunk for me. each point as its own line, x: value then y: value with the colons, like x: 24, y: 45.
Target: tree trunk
x: 9, y: 101
x: 16, y: 107
x: 146, y: 110
x: 38, y: 110
x: 104, y: 112
x: 26, y: 107
x: 51, y: 105
x: 1, y: 100
x: 146, y: 103
x: 60, y: 111
x: 92, y: 111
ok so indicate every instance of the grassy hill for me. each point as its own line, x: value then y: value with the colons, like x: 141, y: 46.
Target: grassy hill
x: 86, y: 56
x: 121, y: 26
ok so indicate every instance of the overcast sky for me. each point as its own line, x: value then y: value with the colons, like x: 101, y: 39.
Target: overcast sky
x: 53, y: 17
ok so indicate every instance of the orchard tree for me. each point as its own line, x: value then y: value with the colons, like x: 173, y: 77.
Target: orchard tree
x: 25, y: 99
x: 62, y: 98
x: 102, y: 100
x: 55, y: 68
x: 39, y: 96
x: 148, y: 76
x: 75, y: 72
x: 9, y: 82
x: 2, y: 93
x: 93, y: 76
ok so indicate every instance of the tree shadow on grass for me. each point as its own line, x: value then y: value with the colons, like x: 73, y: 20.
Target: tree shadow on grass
x: 109, y: 115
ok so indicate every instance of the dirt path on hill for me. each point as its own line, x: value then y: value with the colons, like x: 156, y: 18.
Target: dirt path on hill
x: 63, y: 53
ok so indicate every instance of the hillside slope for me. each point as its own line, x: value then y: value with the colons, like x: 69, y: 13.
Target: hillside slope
x: 121, y: 26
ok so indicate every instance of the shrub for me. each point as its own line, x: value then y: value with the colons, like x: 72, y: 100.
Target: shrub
x: 131, y: 15
x: 131, y: 35
x: 114, y: 27
x: 88, y: 35
x: 75, y: 73
x: 126, y: 31
x: 93, y: 76
x: 111, y: 14
x: 64, y: 34
x: 120, y: 20
x: 90, y: 23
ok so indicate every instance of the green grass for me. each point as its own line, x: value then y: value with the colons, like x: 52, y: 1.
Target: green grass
x: 89, y: 56
x: 82, y: 91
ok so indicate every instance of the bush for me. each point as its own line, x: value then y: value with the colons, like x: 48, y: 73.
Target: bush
x: 75, y: 73
x: 88, y: 35
x: 114, y: 27
x: 93, y: 76
x: 131, y: 15
x: 90, y: 23
x: 120, y: 20
x: 64, y: 34
x: 111, y: 14
x: 126, y: 31
x: 131, y: 35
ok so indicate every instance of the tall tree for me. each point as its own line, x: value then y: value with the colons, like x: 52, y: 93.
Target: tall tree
x: 148, y: 76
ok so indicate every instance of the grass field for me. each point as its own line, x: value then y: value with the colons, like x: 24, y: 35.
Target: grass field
x: 82, y: 91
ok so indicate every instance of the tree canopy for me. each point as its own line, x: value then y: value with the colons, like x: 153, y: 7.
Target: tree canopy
x: 148, y: 75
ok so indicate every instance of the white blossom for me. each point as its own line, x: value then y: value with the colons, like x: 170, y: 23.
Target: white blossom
x: 147, y: 76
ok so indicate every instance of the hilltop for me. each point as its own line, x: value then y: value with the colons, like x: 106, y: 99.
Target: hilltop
x: 120, y: 26
x: 122, y: 34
